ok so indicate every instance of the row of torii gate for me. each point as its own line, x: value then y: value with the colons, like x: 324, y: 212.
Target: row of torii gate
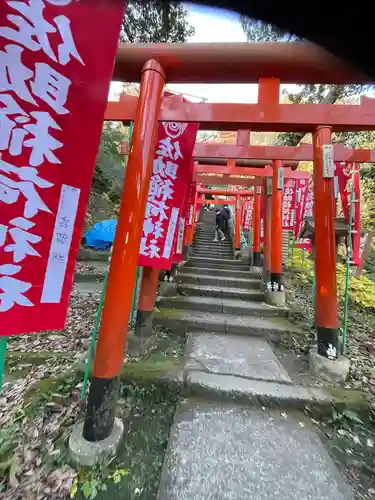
x: 267, y: 65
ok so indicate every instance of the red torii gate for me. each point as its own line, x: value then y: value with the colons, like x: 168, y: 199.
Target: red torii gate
x: 268, y: 65
x: 237, y: 195
x: 259, y: 174
x: 205, y: 152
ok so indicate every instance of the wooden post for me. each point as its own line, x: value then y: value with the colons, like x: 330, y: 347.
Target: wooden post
x: 267, y: 229
x: 276, y: 267
x: 146, y: 302
x: 109, y: 357
x: 257, y: 226
x: 237, y: 244
x: 326, y: 314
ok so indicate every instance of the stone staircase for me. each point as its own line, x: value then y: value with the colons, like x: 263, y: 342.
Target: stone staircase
x: 231, y: 439
x: 219, y: 294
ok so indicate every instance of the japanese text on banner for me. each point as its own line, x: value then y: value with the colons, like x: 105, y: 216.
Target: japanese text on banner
x: 170, y: 178
x: 247, y: 215
x: 348, y: 178
x: 43, y: 53
x: 289, y: 200
x: 305, y: 208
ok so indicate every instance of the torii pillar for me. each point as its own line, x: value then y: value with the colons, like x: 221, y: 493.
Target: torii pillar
x: 326, y: 313
x: 267, y: 230
x: 257, y: 226
x: 275, y: 294
x: 100, y: 422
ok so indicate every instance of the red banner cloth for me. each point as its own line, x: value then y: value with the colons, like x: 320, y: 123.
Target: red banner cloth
x: 304, y: 206
x: 172, y: 173
x: 289, y: 201
x: 344, y: 175
x: 184, y: 220
x: 191, y: 201
x: 247, y: 215
x: 262, y: 213
x: 54, y: 79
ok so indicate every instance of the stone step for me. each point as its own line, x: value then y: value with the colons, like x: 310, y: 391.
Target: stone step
x: 210, y: 241
x: 214, y: 250
x: 248, y: 284
x: 219, y: 291
x: 235, y: 273
x: 225, y: 451
x: 214, y: 254
x: 224, y: 305
x: 216, y: 263
x: 183, y: 321
x: 214, y: 245
x: 209, y: 238
x: 238, y: 356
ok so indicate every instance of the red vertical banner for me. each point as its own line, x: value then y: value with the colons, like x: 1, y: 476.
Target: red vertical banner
x: 346, y: 174
x: 301, y: 197
x: 184, y: 220
x: 54, y: 80
x: 307, y: 210
x: 247, y: 215
x: 262, y: 212
x: 172, y: 173
x: 289, y: 204
x: 191, y: 201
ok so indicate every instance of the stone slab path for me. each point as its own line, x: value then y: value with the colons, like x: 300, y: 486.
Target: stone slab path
x: 229, y: 452
x: 237, y: 436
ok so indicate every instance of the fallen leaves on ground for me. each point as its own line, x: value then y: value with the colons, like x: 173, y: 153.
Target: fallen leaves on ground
x: 33, y: 436
x: 75, y: 337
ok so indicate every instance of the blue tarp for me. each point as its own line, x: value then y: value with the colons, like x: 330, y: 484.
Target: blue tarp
x: 101, y: 235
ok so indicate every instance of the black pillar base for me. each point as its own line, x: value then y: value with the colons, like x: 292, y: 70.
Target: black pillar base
x: 143, y: 324
x: 328, y: 341
x: 256, y: 259
x: 101, y: 408
x: 275, y: 282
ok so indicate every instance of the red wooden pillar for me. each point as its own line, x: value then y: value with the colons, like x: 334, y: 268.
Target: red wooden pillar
x: 326, y: 314
x: 276, y: 267
x: 146, y: 302
x: 109, y: 356
x: 267, y: 228
x: 237, y: 244
x: 257, y: 226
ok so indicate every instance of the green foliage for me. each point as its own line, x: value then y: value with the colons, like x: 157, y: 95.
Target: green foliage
x: 257, y: 31
x: 157, y: 21
x: 362, y: 289
x: 109, y: 168
x: 90, y: 482
x: 343, y: 419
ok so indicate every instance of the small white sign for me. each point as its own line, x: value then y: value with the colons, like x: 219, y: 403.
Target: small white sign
x: 259, y: 189
x: 180, y: 236
x: 170, y: 234
x: 280, y: 179
x: 60, y: 246
x: 336, y: 185
x: 269, y: 186
x: 328, y: 163
x: 292, y: 217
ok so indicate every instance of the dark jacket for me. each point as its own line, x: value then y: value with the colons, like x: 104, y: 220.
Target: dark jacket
x: 226, y: 212
x: 220, y: 220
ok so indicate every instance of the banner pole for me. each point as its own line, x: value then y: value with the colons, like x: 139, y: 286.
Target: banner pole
x: 3, y: 350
